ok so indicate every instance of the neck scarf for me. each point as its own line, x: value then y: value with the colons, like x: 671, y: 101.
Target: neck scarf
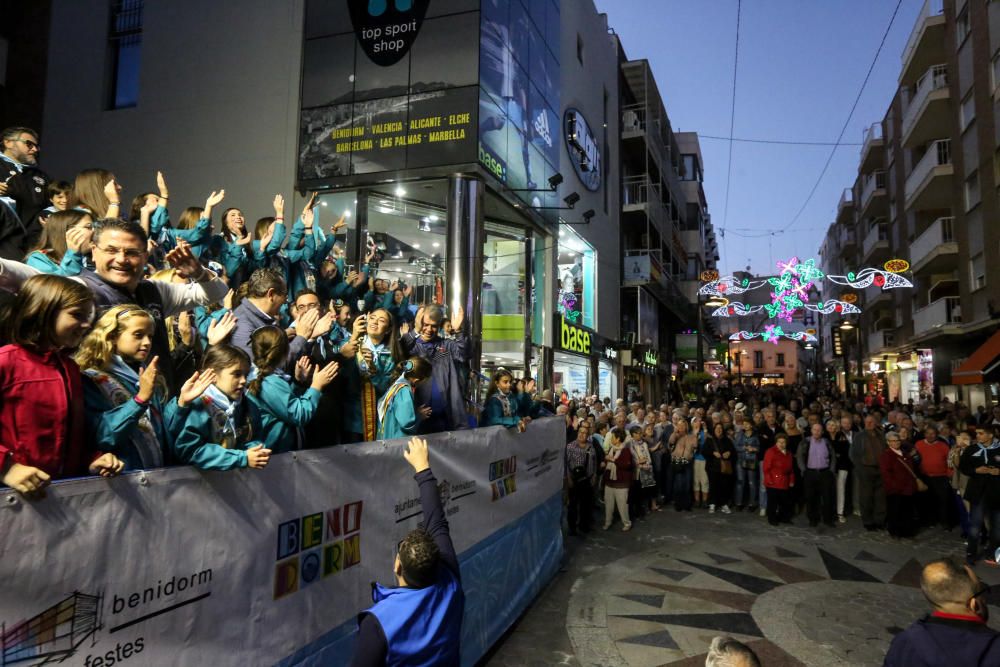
x: 378, y: 351
x: 383, y: 406
x: 504, y: 402
x: 120, y: 368
x: 613, y: 453
x: 226, y: 408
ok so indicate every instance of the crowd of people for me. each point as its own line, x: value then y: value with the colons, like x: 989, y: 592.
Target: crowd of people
x: 785, y: 452
x: 134, y: 342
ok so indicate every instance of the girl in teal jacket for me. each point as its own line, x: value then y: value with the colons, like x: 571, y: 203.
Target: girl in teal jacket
x: 398, y: 415
x: 501, y: 406
x: 285, y: 407
x: 374, y: 351
x: 63, y: 245
x: 221, y: 430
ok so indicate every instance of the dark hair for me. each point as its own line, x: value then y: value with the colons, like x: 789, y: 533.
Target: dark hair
x: 223, y: 356
x: 263, y: 280
x: 226, y: 234
x: 270, y: 349
x: 31, y: 318
x: 116, y: 224
x: 495, y: 380
x: 53, y: 239
x: 58, y: 188
x: 16, y: 131
x: 135, y: 210
x: 619, y: 433
x: 306, y: 292
x: 415, y: 369
x: 418, y: 559
x: 391, y: 339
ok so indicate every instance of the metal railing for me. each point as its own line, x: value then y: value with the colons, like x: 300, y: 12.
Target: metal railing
x: 930, y: 8
x: 877, y: 234
x: 873, y: 182
x: 935, y: 78
x: 871, y: 134
x: 940, y: 232
x: 938, y: 154
x: 944, y: 311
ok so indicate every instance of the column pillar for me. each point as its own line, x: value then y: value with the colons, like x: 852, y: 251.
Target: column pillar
x: 464, y: 262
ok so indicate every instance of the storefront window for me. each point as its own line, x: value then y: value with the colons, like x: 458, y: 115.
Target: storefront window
x: 504, y: 298
x: 577, y: 264
x: 571, y: 375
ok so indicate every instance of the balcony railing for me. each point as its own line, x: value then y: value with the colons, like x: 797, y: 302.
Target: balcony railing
x: 874, y: 182
x: 876, y: 235
x: 937, y: 155
x: 937, y: 313
x: 940, y: 232
x: 872, y: 133
x: 880, y: 340
x: 847, y: 237
x: 935, y: 78
x: 930, y: 8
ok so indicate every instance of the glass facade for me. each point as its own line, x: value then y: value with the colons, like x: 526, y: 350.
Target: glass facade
x: 577, y: 278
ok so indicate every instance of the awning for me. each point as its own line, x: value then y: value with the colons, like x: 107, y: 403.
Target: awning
x: 979, y: 363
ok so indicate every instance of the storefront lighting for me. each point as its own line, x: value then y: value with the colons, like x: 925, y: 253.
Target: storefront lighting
x: 417, y: 246
x: 846, y: 325
x: 347, y: 213
x: 436, y: 244
x: 400, y: 192
x: 384, y: 209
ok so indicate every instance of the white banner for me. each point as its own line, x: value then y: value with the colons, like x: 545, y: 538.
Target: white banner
x: 178, y: 566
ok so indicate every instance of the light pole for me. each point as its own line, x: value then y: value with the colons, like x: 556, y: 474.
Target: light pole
x: 714, y: 301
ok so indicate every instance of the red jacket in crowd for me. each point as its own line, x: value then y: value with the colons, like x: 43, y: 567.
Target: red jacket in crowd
x: 41, y: 412
x: 779, y: 469
x: 934, y: 457
x: 897, y: 473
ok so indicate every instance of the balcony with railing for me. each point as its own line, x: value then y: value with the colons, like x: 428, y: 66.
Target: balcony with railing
x: 935, y: 251
x: 929, y: 184
x: 873, y: 192
x: 874, y: 295
x: 881, y: 340
x: 641, y: 123
x: 926, y: 44
x: 928, y: 109
x: 944, y: 314
x: 872, y: 155
x: 845, y: 207
x: 847, y: 240
x: 876, y: 244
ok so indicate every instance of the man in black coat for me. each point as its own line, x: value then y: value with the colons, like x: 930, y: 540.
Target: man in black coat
x: 22, y: 191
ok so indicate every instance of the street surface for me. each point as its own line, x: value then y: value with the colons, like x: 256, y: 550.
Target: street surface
x: 658, y: 594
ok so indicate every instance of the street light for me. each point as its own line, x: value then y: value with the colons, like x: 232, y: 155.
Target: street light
x: 714, y: 301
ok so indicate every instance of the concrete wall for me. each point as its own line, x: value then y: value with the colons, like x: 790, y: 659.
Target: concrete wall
x: 585, y: 87
x: 218, y: 100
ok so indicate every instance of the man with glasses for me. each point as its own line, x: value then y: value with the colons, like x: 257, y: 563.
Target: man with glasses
x: 955, y: 633
x: 23, y: 189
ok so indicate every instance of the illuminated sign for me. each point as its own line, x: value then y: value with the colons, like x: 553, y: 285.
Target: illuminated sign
x: 574, y: 339
x: 583, y: 148
x: 849, y: 297
x: 386, y: 29
x: 610, y: 353
x: 651, y: 358
x: 896, y: 265
x: 708, y: 275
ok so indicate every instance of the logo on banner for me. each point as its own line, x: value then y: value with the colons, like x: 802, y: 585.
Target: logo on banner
x: 386, y: 29
x: 541, y: 464
x: 503, y: 477
x: 316, y: 546
x: 574, y: 339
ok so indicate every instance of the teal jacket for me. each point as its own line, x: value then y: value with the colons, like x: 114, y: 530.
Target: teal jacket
x: 400, y: 418
x: 235, y: 258
x: 137, y: 434
x: 284, y: 407
x: 351, y: 402
x: 166, y: 236
x: 71, y: 264
x: 198, y: 439
x: 262, y: 256
x: 493, y: 412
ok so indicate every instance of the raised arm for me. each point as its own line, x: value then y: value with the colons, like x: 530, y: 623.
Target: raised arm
x: 435, y: 522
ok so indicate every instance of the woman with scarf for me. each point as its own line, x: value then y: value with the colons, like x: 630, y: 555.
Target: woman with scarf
x: 899, y: 479
x: 619, y: 467
x: 398, y: 416
x: 502, y: 405
x: 373, y: 352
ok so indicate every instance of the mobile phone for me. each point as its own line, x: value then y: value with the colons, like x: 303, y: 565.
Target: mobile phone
x: 361, y: 306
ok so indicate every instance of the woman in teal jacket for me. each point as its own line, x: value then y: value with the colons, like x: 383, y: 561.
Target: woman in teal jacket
x: 63, y: 245
x: 221, y: 430
x: 398, y: 416
x: 285, y: 407
x: 373, y: 352
x: 501, y: 406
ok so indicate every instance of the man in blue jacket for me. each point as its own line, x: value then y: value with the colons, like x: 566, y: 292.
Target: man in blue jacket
x: 955, y: 633
x: 420, y: 621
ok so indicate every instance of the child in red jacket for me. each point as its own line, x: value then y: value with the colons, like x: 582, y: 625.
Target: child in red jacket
x: 42, y: 428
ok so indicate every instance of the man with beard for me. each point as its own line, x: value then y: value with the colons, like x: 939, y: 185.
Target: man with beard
x: 23, y: 189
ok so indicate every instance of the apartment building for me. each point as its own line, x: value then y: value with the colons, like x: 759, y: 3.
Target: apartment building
x: 927, y: 192
x: 666, y: 231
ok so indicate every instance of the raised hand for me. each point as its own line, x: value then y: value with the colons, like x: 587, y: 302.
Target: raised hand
x: 212, y: 201
x: 358, y: 328
x: 408, y: 290
x: 257, y: 457
x: 308, y: 215
x: 246, y: 239
x: 457, y: 318
x: 265, y: 240
x: 324, y: 324
x: 310, y: 203
x: 393, y: 285
x: 404, y: 328
x: 111, y: 192
x: 182, y: 259
x: 425, y: 411
x: 337, y: 226
x: 351, y: 278
x: 107, y: 465
x: 324, y: 376
x: 279, y: 206
x: 369, y: 255
x: 161, y: 185
x: 304, y: 325
x: 78, y: 239
x: 219, y: 330
x: 417, y: 455
x: 227, y: 301
x: 195, y: 386
x: 147, y: 380
x: 185, y: 327
x: 29, y: 481
x: 303, y: 367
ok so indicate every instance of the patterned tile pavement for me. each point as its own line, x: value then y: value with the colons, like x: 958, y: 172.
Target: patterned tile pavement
x: 658, y: 594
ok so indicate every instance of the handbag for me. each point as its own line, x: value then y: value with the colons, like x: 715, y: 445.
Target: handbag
x: 726, y: 467
x: 646, y: 477
x: 921, y: 484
